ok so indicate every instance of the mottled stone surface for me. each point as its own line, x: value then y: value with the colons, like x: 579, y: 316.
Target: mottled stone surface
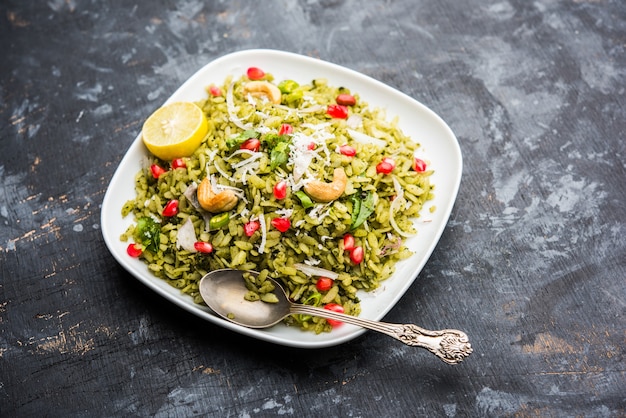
x: 532, y: 264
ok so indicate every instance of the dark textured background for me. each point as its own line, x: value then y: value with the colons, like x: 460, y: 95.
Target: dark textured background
x: 532, y: 263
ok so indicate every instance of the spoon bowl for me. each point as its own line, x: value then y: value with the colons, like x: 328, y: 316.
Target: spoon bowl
x: 224, y: 290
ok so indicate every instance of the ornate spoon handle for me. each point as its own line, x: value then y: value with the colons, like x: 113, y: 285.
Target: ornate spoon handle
x: 450, y: 345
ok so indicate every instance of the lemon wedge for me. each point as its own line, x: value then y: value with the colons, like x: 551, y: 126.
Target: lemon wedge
x: 175, y: 130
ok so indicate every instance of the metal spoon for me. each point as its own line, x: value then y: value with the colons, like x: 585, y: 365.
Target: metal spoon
x: 224, y: 290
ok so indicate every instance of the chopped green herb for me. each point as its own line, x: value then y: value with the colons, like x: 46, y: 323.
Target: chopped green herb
x: 235, y: 141
x: 149, y: 233
x: 279, y: 149
x: 362, y: 208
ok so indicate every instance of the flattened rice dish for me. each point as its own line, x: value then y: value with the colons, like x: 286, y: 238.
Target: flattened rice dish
x: 305, y: 183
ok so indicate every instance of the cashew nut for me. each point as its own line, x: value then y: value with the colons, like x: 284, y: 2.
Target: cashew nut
x: 263, y: 88
x: 327, y: 192
x: 215, y: 202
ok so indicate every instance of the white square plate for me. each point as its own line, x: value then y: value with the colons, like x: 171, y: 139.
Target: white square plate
x: 438, y: 145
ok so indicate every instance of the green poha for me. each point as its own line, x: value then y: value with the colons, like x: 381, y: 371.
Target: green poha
x: 265, y: 153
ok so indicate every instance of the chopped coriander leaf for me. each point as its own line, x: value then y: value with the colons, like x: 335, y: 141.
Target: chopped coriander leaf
x: 362, y: 208
x: 241, y: 138
x: 149, y: 233
x: 279, y: 149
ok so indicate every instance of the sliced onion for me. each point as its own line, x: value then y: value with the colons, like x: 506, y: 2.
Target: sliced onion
x: 192, y: 197
x: 392, y: 221
x: 399, y: 200
x: 186, y: 237
x: 315, y: 271
x: 354, y: 121
x: 263, y: 233
x: 366, y: 139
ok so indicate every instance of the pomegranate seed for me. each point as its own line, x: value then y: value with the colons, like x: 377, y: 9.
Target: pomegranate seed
x: 255, y: 73
x: 311, y: 146
x: 178, y: 163
x: 282, y: 224
x: 346, y: 100
x: 215, y: 91
x: 134, y: 250
x: 356, y: 255
x: 280, y: 190
x: 337, y: 111
x: 285, y: 129
x: 347, y: 150
x: 203, y: 247
x: 157, y: 170
x: 324, y: 284
x: 335, y: 308
x: 171, y: 208
x: 348, y: 242
x: 419, y: 165
x: 386, y: 166
x: 251, y: 227
x: 252, y: 144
